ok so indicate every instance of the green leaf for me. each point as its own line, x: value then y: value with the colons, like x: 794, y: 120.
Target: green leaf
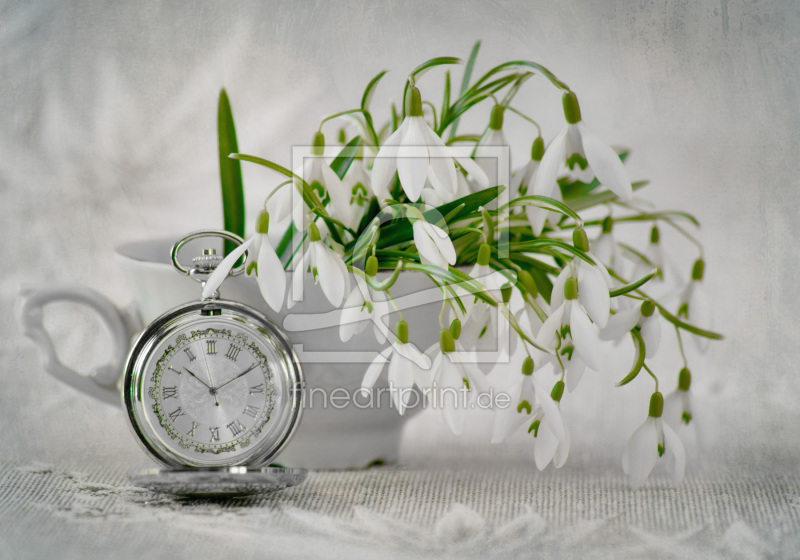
x: 634, y: 285
x: 595, y: 199
x: 366, y: 99
x: 686, y: 326
x: 286, y: 239
x: 547, y: 202
x: 230, y: 172
x: 464, y: 84
x: 638, y: 362
x: 342, y: 162
x: 398, y: 231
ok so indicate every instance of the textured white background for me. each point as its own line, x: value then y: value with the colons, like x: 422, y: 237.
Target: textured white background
x: 107, y: 133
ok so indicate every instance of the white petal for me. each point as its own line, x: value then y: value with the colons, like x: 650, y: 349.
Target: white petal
x: 557, y: 293
x: 385, y: 164
x: 374, y: 370
x: 401, y: 379
x: 545, y: 181
x: 271, y: 278
x: 593, y: 293
x: 641, y: 453
x: 474, y: 172
x: 332, y: 273
x: 442, y: 240
x: 575, y: 370
x: 452, y: 400
x: 442, y: 171
x: 412, y: 159
x: 426, y: 247
x: 606, y: 165
x: 562, y: 451
x: 354, y: 318
x: 298, y: 279
x: 223, y: 268
x: 676, y: 455
x: 620, y: 324
x: 604, y: 248
x: 584, y: 335
x: 673, y: 409
x: 651, y: 334
x: 544, y: 446
x: 549, y: 333
x: 552, y: 414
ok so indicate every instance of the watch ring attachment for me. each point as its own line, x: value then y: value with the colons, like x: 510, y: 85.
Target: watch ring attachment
x: 206, y: 263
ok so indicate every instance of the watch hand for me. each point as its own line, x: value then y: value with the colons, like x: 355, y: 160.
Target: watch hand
x: 195, y: 376
x: 248, y: 370
x: 211, y: 389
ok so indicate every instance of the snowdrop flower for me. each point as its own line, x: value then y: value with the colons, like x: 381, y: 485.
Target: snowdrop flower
x: 327, y: 185
x: 576, y: 145
x: 327, y: 267
x: 644, y: 316
x: 653, y: 253
x: 652, y: 440
x: 268, y: 267
x: 417, y: 153
x: 694, y: 306
x: 521, y: 392
x: 356, y: 182
x: 450, y: 383
x: 552, y: 438
x: 485, y: 154
x: 403, y: 358
x: 362, y: 307
x: 433, y: 244
x: 605, y: 247
x: 678, y: 404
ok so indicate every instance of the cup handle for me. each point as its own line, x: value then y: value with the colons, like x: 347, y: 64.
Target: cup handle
x: 101, y: 381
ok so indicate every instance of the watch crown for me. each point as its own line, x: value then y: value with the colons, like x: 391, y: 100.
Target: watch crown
x: 208, y: 261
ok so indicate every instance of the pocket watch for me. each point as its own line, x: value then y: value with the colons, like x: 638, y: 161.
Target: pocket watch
x: 213, y: 386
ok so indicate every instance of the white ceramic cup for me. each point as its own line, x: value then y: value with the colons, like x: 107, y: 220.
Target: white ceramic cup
x: 349, y: 435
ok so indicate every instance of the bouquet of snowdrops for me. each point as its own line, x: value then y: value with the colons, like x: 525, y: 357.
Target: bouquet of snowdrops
x: 525, y: 258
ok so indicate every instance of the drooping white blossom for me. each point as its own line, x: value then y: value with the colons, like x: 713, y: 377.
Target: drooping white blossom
x: 327, y: 267
x: 576, y: 146
x: 651, y: 441
x: 418, y: 154
x: 433, y: 244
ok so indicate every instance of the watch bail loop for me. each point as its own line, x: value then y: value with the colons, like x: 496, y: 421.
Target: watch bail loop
x: 203, y: 265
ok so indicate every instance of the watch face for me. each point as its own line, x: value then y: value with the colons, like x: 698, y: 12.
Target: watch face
x: 213, y: 388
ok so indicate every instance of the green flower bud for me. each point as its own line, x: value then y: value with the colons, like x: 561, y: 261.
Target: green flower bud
x: 262, y: 222
x: 684, y: 379
x: 505, y: 292
x: 496, y: 119
x: 580, y: 240
x: 558, y: 391
x: 648, y: 308
x: 413, y: 102
x: 484, y: 252
x: 698, y: 269
x: 318, y: 144
x: 571, y: 288
x: 446, y: 342
x: 527, y: 366
x: 313, y: 232
x: 455, y: 328
x: 654, y: 235
x: 342, y: 136
x: 572, y: 111
x: 537, y: 150
x: 371, y: 267
x: 656, y: 405
x: 608, y: 224
x: 524, y: 277
x: 401, y: 330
